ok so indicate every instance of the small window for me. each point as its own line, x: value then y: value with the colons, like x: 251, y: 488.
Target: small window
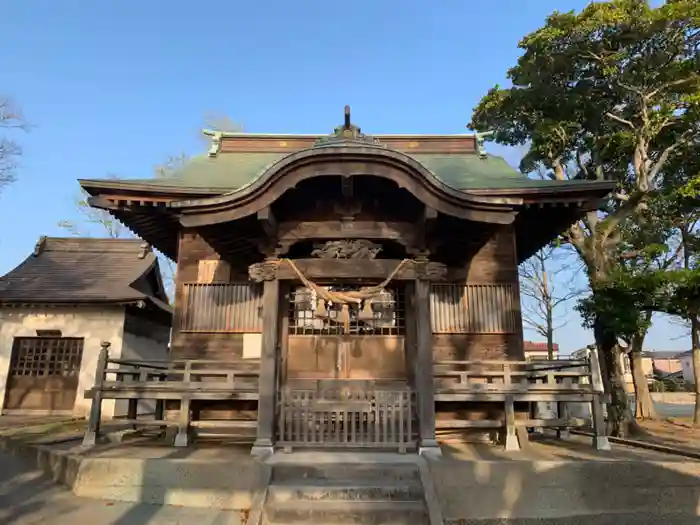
x: 46, y: 357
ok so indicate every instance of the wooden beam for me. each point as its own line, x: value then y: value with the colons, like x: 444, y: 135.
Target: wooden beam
x: 426, y: 226
x: 401, y: 232
x: 347, y: 187
x: 268, y: 222
x: 374, y: 269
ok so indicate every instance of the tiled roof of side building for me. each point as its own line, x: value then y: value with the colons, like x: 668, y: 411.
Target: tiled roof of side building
x: 234, y: 170
x: 83, y: 270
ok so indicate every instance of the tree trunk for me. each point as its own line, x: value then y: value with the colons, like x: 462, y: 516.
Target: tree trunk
x: 695, y: 341
x: 550, y: 335
x: 644, y: 405
x: 619, y: 417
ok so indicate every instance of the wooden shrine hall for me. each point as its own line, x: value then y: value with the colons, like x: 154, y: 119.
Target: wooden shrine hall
x: 346, y: 290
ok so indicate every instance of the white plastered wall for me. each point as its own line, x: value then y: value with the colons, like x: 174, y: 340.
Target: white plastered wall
x: 154, y: 346
x: 93, y: 324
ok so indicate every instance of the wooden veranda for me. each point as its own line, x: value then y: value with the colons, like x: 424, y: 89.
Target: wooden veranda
x: 349, y: 414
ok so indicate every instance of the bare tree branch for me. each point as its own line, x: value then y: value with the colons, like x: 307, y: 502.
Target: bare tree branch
x: 11, y: 119
x: 621, y: 120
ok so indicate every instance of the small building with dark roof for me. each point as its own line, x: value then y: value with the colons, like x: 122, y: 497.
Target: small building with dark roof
x: 60, y: 303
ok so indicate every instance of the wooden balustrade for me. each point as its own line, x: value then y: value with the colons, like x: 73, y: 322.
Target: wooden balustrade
x: 508, y: 382
x: 181, y: 380
x: 356, y: 414
x: 531, y: 381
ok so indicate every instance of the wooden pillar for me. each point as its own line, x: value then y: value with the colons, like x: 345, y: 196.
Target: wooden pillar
x: 600, y: 439
x: 410, y: 340
x: 93, y: 427
x: 423, y: 368
x: 182, y: 438
x: 267, y: 383
x: 511, y: 440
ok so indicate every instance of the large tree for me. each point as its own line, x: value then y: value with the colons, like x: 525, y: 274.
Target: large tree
x: 679, y: 292
x: 11, y: 120
x: 622, y: 305
x: 615, y: 91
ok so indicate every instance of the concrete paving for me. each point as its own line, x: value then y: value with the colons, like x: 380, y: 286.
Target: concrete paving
x: 28, y: 498
x: 646, y: 518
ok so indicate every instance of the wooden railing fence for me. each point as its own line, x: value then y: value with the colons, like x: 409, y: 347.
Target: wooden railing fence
x: 346, y: 418
x: 182, y: 380
x: 508, y: 382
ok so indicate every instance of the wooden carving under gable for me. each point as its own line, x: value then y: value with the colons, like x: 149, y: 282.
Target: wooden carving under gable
x: 347, y: 249
x: 263, y: 271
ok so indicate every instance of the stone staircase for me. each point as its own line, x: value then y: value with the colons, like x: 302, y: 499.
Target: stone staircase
x: 345, y: 493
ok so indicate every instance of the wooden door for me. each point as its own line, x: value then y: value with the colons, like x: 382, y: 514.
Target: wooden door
x: 44, y: 373
x: 323, y: 345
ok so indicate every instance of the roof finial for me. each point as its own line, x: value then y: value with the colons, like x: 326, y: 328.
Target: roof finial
x: 145, y: 250
x: 480, y: 139
x: 348, y: 124
x: 347, y: 133
x: 39, y: 246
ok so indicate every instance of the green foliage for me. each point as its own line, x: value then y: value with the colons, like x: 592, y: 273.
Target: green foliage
x: 590, y: 87
x: 613, y: 93
x: 620, y: 302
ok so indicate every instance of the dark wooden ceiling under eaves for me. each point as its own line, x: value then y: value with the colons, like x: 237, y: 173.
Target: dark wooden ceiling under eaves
x: 242, y: 241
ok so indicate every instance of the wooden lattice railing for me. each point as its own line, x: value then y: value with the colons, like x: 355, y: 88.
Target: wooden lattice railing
x: 158, y: 381
x: 341, y: 417
x: 508, y: 382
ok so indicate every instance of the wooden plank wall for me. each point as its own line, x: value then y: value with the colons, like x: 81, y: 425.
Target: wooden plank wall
x: 476, y: 333
x: 199, y: 262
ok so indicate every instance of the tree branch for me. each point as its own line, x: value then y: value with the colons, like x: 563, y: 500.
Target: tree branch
x: 621, y: 120
x: 669, y: 84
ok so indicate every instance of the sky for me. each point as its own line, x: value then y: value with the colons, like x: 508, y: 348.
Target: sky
x: 115, y: 87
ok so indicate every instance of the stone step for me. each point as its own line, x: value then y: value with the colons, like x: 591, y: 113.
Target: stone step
x: 381, y: 474
x: 343, y: 492
x: 346, y: 513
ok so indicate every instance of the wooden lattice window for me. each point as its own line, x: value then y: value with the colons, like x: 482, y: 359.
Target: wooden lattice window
x: 221, y: 307
x: 381, y: 315
x: 474, y: 308
x: 46, y: 357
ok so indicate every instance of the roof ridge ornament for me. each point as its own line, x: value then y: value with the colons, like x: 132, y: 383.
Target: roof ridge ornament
x: 480, y: 139
x: 215, y: 146
x: 144, y: 249
x: 348, y: 132
x: 40, y: 246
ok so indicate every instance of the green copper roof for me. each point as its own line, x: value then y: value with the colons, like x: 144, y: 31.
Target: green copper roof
x: 230, y: 171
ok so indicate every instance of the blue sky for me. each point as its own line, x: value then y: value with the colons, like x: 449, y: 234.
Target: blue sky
x: 114, y: 87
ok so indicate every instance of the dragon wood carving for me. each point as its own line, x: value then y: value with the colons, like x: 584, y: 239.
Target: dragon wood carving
x: 348, y: 249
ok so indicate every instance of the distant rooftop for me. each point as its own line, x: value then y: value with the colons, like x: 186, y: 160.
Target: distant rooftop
x: 83, y: 270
